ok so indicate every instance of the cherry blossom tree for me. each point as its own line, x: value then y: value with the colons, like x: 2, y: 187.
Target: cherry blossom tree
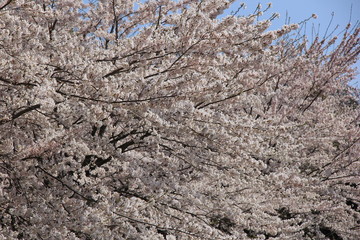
x: 124, y: 119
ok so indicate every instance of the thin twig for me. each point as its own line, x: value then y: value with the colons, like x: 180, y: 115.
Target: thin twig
x: 65, y: 185
x: 159, y: 227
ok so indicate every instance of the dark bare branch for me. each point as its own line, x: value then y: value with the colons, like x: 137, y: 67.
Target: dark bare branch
x: 26, y: 110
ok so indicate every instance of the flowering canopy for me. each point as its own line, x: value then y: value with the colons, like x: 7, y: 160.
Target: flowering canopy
x: 154, y: 120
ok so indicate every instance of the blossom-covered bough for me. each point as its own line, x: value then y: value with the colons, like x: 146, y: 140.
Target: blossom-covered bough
x: 157, y: 120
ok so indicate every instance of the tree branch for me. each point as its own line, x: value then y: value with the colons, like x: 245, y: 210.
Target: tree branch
x: 7, y: 3
x: 26, y: 110
x: 65, y: 185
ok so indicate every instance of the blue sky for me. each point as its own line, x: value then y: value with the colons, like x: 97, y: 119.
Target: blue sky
x: 299, y: 10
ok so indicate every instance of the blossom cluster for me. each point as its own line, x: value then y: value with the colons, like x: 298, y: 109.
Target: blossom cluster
x: 128, y: 119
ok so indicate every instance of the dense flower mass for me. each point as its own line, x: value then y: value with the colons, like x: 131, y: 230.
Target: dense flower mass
x: 124, y: 119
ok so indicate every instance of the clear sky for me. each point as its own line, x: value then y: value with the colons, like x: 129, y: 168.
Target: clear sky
x: 344, y: 11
